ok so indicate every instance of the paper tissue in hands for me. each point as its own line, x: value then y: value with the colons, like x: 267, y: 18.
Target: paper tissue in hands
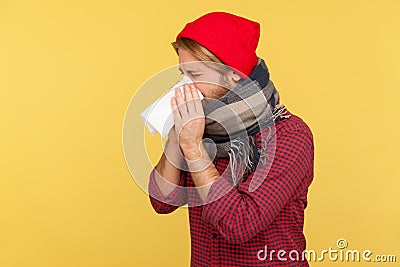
x: 158, y: 116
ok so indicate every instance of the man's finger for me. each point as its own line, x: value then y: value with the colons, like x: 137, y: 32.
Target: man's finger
x: 180, y: 102
x: 175, y: 110
x: 189, y: 100
x: 196, y: 100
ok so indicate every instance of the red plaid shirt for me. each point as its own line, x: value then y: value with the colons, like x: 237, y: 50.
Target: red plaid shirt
x: 232, y: 230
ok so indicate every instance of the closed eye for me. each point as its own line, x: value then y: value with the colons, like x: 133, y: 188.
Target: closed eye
x: 191, y: 73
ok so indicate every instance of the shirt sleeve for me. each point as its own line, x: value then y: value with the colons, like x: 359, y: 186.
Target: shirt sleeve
x: 168, y: 204
x: 240, y: 214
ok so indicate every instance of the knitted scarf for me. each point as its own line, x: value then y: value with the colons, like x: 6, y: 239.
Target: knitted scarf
x: 233, y: 120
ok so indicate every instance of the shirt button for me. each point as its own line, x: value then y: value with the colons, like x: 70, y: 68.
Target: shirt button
x: 214, y: 235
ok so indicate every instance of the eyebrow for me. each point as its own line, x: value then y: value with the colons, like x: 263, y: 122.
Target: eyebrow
x: 191, y: 71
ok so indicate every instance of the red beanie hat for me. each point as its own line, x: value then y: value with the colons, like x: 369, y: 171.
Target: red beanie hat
x: 231, y: 38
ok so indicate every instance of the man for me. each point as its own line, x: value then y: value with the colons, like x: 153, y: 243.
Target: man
x: 246, y: 205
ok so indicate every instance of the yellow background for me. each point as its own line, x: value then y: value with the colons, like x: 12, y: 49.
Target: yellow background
x: 68, y: 70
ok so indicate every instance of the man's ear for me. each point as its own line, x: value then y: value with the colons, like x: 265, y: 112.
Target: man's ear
x: 235, y: 77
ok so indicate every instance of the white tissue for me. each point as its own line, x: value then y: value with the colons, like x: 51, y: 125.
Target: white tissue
x: 158, y: 116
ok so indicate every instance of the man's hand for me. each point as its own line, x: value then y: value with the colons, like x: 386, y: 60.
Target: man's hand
x: 189, y: 127
x: 189, y: 121
x: 173, y: 152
